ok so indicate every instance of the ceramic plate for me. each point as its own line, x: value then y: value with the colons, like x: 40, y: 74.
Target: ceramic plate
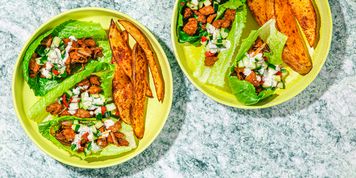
x: 187, y: 55
x: 156, y: 114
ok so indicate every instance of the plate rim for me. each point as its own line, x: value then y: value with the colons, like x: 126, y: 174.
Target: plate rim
x: 246, y: 107
x: 18, y: 67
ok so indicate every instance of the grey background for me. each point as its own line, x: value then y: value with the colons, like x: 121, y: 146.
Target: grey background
x: 312, y: 135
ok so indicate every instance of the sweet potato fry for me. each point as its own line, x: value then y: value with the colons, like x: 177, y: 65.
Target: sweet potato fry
x: 295, y: 54
x: 258, y: 9
x: 139, y: 85
x: 304, y: 11
x: 269, y: 9
x: 120, y: 49
x: 125, y: 36
x: 122, y: 94
x: 153, y: 63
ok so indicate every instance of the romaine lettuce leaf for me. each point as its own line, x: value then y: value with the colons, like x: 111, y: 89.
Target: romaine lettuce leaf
x: 216, y: 74
x: 244, y: 91
x: 38, y: 110
x: 79, y: 29
x: 111, y: 150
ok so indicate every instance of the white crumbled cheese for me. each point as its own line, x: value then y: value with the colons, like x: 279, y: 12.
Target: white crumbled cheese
x: 81, y: 131
x: 259, y: 56
x: 49, y: 66
x: 76, y: 91
x: 91, y: 113
x: 75, y: 99
x: 108, y: 123
x: 52, y: 56
x: 207, y: 3
x: 105, y: 133
x: 72, y: 38
x: 97, y: 111
x: 210, y: 28
x: 247, y: 71
x: 98, y: 101
x: 46, y: 73
x: 195, y: 2
x: 73, y: 106
x: 258, y: 78
x: 72, y: 112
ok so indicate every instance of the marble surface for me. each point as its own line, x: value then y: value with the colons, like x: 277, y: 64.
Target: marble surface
x: 312, y: 135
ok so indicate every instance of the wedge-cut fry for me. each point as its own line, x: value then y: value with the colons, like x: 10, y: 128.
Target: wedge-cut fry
x: 304, y: 11
x: 125, y: 36
x: 139, y: 67
x: 258, y: 9
x: 295, y: 54
x: 269, y: 10
x: 120, y: 49
x: 122, y: 94
x: 153, y: 63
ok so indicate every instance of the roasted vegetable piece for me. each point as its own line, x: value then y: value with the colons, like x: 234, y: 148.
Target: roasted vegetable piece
x: 258, y: 9
x: 152, y: 61
x: 120, y: 49
x: 139, y: 85
x: 122, y: 94
x: 304, y: 11
x: 295, y: 53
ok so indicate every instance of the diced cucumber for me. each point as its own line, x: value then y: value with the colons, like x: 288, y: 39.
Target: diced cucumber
x: 93, y: 129
x: 69, y: 93
x: 207, y: 3
x: 73, y: 146
x: 272, y: 66
x: 75, y: 122
x: 201, y: 4
x: 75, y: 127
x: 224, y: 33
x: 55, y: 42
x: 98, y: 125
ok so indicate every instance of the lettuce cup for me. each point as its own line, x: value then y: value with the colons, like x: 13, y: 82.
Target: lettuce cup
x: 62, y: 52
x: 216, y: 26
x: 258, y: 69
x: 89, y: 138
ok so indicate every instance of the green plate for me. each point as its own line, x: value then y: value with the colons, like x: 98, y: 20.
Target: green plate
x: 187, y: 56
x: 156, y: 114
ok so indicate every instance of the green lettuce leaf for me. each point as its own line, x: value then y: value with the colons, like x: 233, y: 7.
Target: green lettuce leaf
x: 107, y: 53
x: 231, y: 4
x: 216, y: 74
x: 182, y: 36
x: 37, y: 112
x: 111, y: 150
x: 82, y: 29
x: 106, y: 78
x: 79, y: 29
x: 244, y: 91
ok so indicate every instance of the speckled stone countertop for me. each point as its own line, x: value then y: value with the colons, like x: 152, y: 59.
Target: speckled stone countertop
x: 313, y: 135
